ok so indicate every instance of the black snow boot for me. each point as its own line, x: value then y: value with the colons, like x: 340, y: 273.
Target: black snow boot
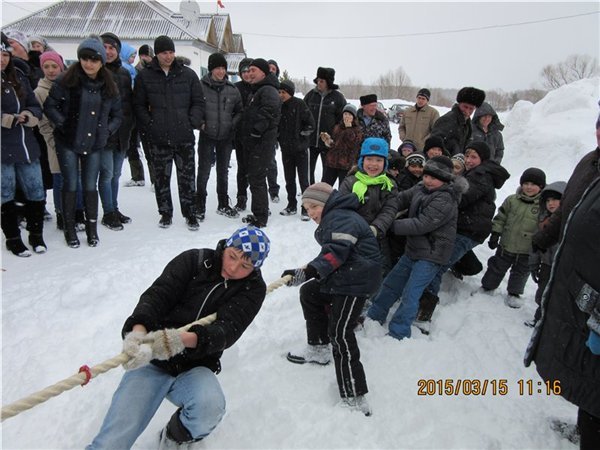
x: 34, y: 212
x: 90, y: 199
x: 427, y: 304
x: 175, y: 432
x: 10, y: 227
x: 69, y: 202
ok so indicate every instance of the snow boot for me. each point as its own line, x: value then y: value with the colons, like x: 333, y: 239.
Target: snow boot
x: 358, y: 403
x: 111, y: 221
x: 122, y: 217
x: 12, y: 232
x: 241, y: 203
x: 69, y: 201
x: 175, y: 435
x: 288, y: 211
x: 34, y: 211
x: 315, y: 354
x: 91, y: 216
x: 165, y: 221
x: 514, y: 300
x: 427, y: 304
x: 228, y: 211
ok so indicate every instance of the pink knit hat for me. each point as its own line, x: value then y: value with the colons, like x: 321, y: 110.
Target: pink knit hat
x: 52, y: 56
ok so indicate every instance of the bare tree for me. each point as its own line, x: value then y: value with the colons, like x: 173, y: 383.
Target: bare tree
x: 394, y: 84
x: 575, y: 67
x: 353, y: 88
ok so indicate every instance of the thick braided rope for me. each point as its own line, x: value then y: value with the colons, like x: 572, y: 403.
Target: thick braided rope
x: 80, y: 378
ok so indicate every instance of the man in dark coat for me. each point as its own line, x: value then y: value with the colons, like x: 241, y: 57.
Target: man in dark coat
x: 168, y: 105
x: 113, y: 155
x: 565, y: 345
x: 373, y: 122
x: 222, y: 112
x: 245, y: 89
x: 326, y: 103
x: 182, y: 365
x: 259, y: 135
x: 454, y: 127
x: 296, y: 125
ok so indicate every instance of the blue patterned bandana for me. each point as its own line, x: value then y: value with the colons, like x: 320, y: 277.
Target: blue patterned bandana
x: 253, y: 242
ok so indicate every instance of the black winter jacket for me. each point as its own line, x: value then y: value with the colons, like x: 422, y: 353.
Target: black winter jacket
x: 168, y: 107
x: 431, y: 223
x: 454, y: 129
x: 222, y: 108
x: 263, y: 111
x: 478, y: 205
x: 83, y: 117
x: 19, y: 144
x: 349, y: 262
x: 327, y: 110
x: 406, y: 180
x: 571, y: 308
x: 295, y: 126
x: 122, y: 77
x: 191, y: 287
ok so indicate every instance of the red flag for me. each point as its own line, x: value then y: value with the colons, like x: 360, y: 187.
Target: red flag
x: 220, y: 3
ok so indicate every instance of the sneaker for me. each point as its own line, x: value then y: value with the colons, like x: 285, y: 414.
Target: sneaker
x: 359, y: 404
x: 200, y: 216
x: 111, y: 221
x: 228, y: 211
x: 37, y: 243
x: 315, y: 354
x: 122, y: 217
x: 133, y: 183
x: 250, y: 219
x: 514, y: 301
x: 275, y: 198
x: 165, y: 221
x: 304, y: 215
x: 192, y: 223
x: 240, y: 205
x: 16, y: 246
x: 288, y: 211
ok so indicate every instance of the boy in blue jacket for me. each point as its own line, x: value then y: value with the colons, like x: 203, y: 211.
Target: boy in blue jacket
x: 342, y: 276
x: 431, y: 230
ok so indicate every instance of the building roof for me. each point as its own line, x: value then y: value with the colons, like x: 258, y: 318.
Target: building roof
x: 130, y: 20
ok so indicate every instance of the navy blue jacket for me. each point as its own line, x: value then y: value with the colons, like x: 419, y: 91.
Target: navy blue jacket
x: 350, y: 261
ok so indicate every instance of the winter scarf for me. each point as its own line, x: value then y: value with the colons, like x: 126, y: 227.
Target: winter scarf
x: 363, y: 181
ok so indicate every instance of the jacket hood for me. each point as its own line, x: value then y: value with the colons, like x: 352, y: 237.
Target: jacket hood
x: 126, y: 51
x: 269, y: 80
x: 341, y: 201
x: 557, y: 186
x: 498, y: 173
x: 486, y: 109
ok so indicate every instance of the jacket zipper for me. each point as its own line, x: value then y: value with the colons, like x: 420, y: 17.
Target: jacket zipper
x: 206, y: 298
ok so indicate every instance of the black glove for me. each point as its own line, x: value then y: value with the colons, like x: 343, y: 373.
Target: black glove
x: 535, y: 272
x: 301, y: 275
x: 536, y: 248
x: 494, y: 241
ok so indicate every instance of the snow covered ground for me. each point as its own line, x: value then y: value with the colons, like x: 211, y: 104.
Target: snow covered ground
x: 66, y: 308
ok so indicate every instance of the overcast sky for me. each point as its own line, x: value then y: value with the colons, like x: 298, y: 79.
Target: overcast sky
x: 441, y: 44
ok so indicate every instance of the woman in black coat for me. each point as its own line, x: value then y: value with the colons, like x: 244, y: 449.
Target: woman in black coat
x: 182, y: 365
x: 85, y: 107
x: 20, y: 158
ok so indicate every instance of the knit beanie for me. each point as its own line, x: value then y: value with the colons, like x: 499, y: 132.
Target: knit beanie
x: 374, y: 147
x: 481, y: 148
x: 253, y: 242
x: 317, y: 193
x: 261, y: 64
x: 5, y: 44
x: 288, y: 86
x: 439, y: 167
x: 424, y: 93
x: 244, y: 65
x: 368, y: 99
x: 163, y: 44
x: 407, y: 144
x: 146, y: 50
x: 535, y: 176
x: 41, y: 39
x: 471, y: 95
x: 396, y: 161
x: 19, y: 37
x: 350, y: 108
x: 434, y: 141
x: 52, y: 56
x: 460, y: 158
x: 415, y: 159
x: 327, y: 74
x: 216, y: 60
x: 92, y: 47
x: 112, y: 40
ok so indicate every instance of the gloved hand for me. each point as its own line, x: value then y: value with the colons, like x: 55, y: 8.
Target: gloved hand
x: 593, y: 342
x: 494, y: 240
x: 166, y: 343
x: 535, y: 272
x: 137, y: 346
x: 300, y: 275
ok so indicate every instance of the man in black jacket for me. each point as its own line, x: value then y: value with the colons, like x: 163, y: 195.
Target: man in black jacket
x: 245, y: 89
x: 168, y: 104
x: 113, y: 155
x: 259, y: 135
x: 182, y: 365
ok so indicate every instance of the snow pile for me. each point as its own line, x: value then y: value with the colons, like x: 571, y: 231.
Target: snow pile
x: 66, y: 308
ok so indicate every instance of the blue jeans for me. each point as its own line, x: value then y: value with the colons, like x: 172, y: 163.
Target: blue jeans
x: 140, y: 394
x: 462, y: 245
x: 70, y: 168
x: 405, y: 282
x: 29, y: 178
x: 111, y: 164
